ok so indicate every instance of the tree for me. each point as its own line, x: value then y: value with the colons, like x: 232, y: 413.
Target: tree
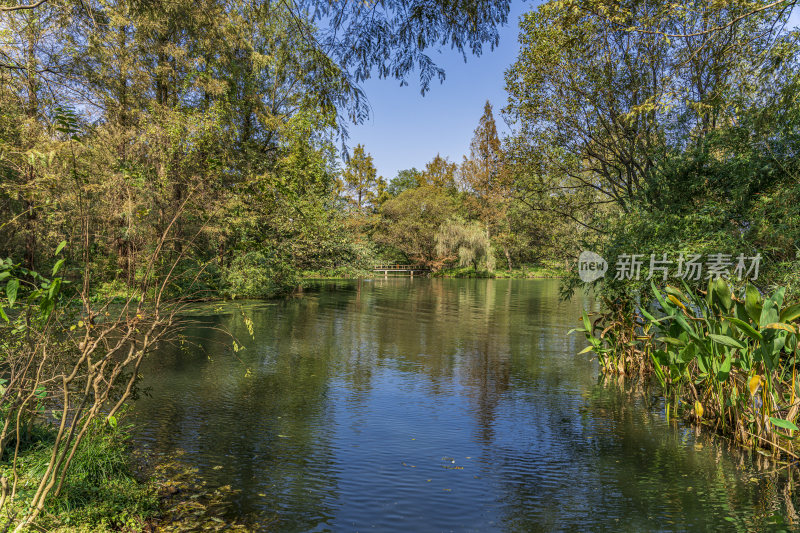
x: 360, y: 178
x: 658, y: 129
x: 486, y: 176
x: 484, y: 173
x: 440, y: 172
x: 411, y: 220
x: 468, y: 241
x: 598, y: 104
x: 405, y: 180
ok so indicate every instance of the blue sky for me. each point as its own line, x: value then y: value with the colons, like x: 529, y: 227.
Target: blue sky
x: 407, y: 130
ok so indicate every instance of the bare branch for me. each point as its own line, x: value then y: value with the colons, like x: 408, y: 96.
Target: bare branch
x: 22, y: 7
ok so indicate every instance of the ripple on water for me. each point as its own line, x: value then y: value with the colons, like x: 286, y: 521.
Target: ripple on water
x: 432, y: 405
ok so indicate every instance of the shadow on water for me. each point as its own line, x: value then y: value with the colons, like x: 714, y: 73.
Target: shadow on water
x: 435, y: 405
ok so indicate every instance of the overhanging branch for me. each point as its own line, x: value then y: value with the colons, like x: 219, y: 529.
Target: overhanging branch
x: 22, y: 7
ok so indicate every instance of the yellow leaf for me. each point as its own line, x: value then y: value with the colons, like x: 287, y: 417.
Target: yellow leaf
x: 753, y: 384
x: 677, y: 302
x: 781, y: 325
x: 698, y: 409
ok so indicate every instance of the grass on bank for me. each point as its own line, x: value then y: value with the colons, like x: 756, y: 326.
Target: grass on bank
x: 524, y: 272
x: 342, y: 272
x: 102, y: 490
x: 110, y: 488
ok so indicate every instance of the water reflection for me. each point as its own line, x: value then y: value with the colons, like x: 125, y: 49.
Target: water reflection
x: 433, y: 405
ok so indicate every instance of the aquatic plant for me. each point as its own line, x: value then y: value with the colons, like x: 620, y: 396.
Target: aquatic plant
x: 724, y: 361
x: 618, y: 338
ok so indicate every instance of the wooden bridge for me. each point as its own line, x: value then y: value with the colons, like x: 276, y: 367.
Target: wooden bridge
x: 397, y: 267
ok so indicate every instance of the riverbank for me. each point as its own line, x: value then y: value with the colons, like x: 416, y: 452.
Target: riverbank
x: 104, y: 489
x: 525, y: 272
x: 113, y: 487
x: 544, y: 271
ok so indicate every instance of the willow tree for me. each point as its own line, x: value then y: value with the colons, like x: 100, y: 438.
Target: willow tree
x: 468, y: 241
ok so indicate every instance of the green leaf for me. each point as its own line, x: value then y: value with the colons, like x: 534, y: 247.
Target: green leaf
x: 3, y: 314
x: 727, y: 341
x: 11, y: 291
x: 656, y: 356
x: 676, y: 293
x: 672, y: 340
x: 586, y: 323
x: 54, y: 288
x: 769, y: 313
x: 725, y: 368
x: 650, y: 317
x: 785, y: 424
x: 791, y: 313
x: 688, y: 328
x: 60, y: 247
x: 688, y: 353
x: 752, y: 302
x: 57, y: 266
x: 701, y: 364
x: 668, y: 308
x: 745, y: 328
x: 722, y: 294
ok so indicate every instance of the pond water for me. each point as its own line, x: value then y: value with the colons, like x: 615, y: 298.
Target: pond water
x: 434, y: 405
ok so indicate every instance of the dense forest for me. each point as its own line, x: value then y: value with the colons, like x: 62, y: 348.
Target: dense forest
x: 216, y: 126
x: 223, y: 128
x: 153, y: 152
